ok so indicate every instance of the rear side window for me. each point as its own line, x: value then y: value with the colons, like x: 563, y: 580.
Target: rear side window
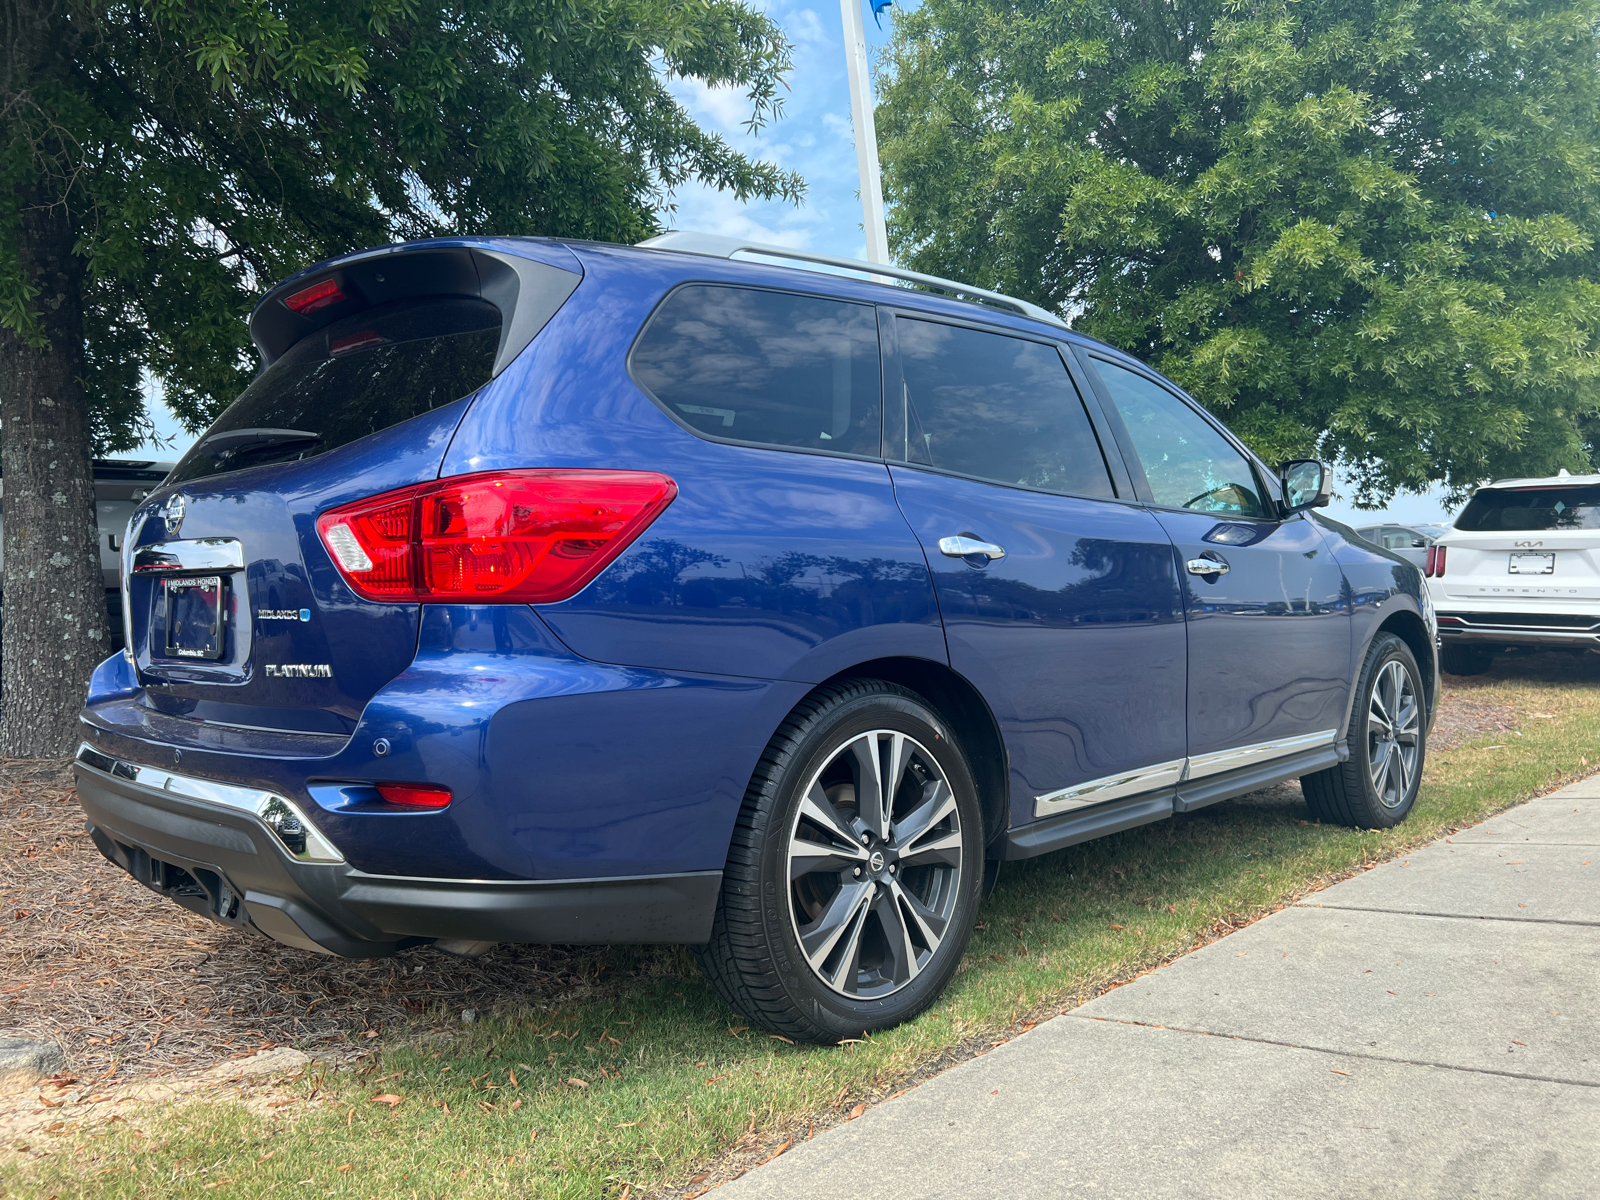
x: 998, y: 408
x: 1188, y: 463
x: 773, y: 368
x: 1530, y: 510
x: 355, y: 377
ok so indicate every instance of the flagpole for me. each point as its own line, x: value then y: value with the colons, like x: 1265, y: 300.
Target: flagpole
x: 855, y: 54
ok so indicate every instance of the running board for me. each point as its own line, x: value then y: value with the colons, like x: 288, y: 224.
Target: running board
x: 1086, y: 824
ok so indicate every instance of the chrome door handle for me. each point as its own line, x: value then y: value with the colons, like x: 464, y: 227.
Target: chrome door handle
x: 1206, y: 566
x: 965, y: 547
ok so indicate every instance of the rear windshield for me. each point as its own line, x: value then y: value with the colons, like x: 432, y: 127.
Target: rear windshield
x: 1531, y: 509
x: 355, y: 377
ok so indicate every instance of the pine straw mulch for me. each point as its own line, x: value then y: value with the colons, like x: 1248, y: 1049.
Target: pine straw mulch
x: 126, y: 980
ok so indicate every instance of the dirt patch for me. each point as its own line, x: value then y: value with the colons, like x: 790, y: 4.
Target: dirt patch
x: 1464, y: 716
x: 128, y: 982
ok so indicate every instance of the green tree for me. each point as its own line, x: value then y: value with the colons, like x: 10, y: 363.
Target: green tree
x: 163, y: 162
x: 1365, y: 228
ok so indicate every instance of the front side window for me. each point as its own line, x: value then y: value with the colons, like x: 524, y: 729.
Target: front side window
x: 1188, y: 463
x: 767, y: 367
x: 998, y: 408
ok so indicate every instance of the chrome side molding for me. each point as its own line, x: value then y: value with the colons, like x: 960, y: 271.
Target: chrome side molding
x: 1168, y: 774
x: 302, y: 840
x: 195, y: 554
x: 1109, y: 787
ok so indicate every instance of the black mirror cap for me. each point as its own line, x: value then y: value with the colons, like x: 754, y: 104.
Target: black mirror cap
x: 1306, y: 478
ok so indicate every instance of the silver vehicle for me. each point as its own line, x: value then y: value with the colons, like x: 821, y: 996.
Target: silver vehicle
x: 1408, y: 543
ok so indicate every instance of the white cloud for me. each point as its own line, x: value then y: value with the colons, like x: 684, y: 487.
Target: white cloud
x: 724, y: 108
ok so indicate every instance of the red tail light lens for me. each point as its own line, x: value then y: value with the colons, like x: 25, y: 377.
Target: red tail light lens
x: 318, y: 295
x: 523, y: 537
x: 1438, y: 562
x: 1433, y: 559
x: 415, y: 795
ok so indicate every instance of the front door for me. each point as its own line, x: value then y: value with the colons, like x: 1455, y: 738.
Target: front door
x: 1269, y: 626
x: 1061, y: 602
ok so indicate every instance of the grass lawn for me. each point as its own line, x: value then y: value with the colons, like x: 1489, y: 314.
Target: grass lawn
x: 674, y: 1086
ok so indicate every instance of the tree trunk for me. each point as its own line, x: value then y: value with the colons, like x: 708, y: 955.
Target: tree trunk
x: 54, y: 595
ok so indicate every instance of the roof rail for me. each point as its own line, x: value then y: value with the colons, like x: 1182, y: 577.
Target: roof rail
x: 718, y: 246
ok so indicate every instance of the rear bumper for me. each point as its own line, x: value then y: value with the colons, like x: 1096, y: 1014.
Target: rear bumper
x: 225, y: 861
x: 1570, y: 630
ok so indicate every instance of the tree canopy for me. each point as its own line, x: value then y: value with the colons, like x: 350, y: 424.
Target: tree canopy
x: 163, y: 162
x: 1364, y: 228
x: 206, y: 149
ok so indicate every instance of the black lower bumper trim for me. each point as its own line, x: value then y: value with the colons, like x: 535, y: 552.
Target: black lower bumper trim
x: 227, y: 865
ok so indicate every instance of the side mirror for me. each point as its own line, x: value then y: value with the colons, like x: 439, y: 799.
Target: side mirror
x: 1305, y: 485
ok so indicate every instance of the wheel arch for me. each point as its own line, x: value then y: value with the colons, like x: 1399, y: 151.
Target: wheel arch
x: 970, y: 718
x: 1410, y: 629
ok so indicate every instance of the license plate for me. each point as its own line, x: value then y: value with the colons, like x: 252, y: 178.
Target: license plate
x: 1533, y: 564
x: 194, y: 617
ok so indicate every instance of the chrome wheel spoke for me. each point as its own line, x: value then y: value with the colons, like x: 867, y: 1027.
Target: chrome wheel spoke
x: 936, y: 805
x: 930, y: 925
x: 942, y: 848
x: 806, y: 856
x: 903, y: 965
x: 820, y: 810
x: 869, y: 782
x: 843, y: 918
x: 1380, y: 764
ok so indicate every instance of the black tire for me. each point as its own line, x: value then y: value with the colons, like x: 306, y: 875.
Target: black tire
x: 756, y: 959
x: 1465, y: 660
x: 1348, y: 794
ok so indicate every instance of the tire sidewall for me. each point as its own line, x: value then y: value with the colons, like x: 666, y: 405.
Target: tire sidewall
x: 1388, y: 649
x: 829, y: 1010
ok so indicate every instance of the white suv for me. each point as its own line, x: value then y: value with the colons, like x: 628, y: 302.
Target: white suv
x: 1521, y: 567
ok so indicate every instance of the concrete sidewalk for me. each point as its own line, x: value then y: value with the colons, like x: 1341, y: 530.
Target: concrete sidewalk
x: 1429, y: 1028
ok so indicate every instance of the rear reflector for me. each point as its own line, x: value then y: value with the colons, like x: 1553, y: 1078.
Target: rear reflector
x: 318, y: 295
x: 415, y: 795
x: 508, y: 537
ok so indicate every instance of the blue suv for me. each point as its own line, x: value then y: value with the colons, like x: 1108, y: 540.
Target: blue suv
x: 547, y: 591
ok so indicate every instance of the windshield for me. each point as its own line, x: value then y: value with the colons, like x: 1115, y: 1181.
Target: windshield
x: 360, y: 375
x: 1520, y: 510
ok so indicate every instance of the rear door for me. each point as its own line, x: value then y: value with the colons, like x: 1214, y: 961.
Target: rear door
x: 1060, y: 599
x: 1269, y: 628
x: 239, y: 619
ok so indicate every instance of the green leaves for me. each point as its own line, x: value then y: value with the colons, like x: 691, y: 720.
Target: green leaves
x: 208, y: 148
x: 1361, y: 228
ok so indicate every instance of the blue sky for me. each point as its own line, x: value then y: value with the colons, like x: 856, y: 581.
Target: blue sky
x: 814, y: 137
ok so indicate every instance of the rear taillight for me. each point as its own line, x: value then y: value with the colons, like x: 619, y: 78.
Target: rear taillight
x: 318, y: 295
x: 415, y: 795
x: 524, y: 537
x: 1434, y: 567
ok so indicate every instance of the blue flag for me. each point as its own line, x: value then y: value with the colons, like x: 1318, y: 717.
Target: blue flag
x: 877, y: 10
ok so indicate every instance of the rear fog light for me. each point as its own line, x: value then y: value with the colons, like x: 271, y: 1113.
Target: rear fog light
x: 415, y: 795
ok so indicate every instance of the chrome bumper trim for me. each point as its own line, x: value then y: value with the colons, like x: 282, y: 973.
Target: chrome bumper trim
x: 277, y: 813
x: 197, y: 554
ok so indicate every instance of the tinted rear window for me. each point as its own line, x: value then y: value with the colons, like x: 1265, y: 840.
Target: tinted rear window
x: 355, y: 377
x: 1517, y: 510
x: 998, y: 408
x: 768, y: 367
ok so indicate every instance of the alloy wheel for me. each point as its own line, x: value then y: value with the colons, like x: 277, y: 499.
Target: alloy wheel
x: 875, y: 864
x: 1394, y: 728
